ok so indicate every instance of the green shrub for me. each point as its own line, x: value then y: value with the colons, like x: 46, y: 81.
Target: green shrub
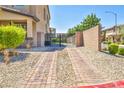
x: 113, y: 48
x: 109, y: 42
x: 122, y: 42
x: 118, y: 43
x: 11, y: 36
x: 121, y: 51
x: 55, y: 40
x: 1, y: 47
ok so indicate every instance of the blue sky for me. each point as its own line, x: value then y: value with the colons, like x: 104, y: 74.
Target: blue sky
x: 67, y: 16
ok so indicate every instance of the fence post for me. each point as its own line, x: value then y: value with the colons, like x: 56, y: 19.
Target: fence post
x: 79, y: 39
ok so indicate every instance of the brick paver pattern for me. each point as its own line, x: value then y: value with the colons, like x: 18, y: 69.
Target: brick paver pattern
x: 44, y: 73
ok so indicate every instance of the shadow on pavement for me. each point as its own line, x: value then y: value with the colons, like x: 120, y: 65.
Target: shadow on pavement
x: 21, y: 57
x: 52, y: 48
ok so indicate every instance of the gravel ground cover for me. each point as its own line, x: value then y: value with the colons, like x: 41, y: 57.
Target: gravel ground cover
x: 65, y: 72
x: 60, y: 70
x: 86, y: 73
x: 111, y: 66
x: 12, y: 74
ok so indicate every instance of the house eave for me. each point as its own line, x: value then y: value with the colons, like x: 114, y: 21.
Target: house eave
x: 19, y: 12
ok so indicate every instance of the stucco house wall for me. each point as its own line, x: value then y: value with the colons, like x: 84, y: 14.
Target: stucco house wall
x: 41, y: 12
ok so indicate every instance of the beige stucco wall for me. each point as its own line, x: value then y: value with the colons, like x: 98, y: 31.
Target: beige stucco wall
x: 89, y: 38
x: 34, y: 34
x: 38, y: 11
x: 92, y: 38
x: 30, y: 28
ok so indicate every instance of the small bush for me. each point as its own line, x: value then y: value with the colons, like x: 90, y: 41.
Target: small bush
x: 113, y: 48
x: 55, y: 40
x: 1, y: 47
x: 109, y: 42
x: 122, y: 42
x: 11, y: 36
x: 121, y: 51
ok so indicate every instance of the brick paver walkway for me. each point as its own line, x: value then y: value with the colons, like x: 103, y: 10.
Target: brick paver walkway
x: 44, y: 73
x: 85, y: 73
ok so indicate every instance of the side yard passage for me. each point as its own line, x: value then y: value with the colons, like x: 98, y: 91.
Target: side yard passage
x: 62, y: 68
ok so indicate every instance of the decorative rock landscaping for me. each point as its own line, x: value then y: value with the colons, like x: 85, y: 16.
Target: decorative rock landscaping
x: 111, y: 66
x: 12, y: 74
x: 69, y: 67
x: 65, y: 72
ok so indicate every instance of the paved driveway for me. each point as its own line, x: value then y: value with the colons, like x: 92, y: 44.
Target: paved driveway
x: 62, y: 68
